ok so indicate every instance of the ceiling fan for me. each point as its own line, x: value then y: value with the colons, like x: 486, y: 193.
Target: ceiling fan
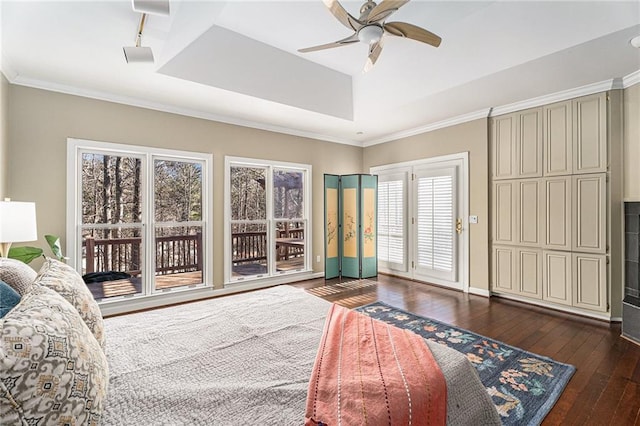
x: 371, y: 28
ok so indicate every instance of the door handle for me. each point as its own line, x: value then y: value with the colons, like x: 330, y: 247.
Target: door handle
x: 459, y: 226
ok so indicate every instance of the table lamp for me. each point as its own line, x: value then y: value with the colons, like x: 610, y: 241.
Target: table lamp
x: 17, y: 224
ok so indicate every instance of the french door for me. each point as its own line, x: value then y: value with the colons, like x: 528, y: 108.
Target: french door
x: 423, y: 208
x: 435, y: 215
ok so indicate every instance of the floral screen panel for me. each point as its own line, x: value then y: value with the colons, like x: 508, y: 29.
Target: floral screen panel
x: 350, y: 220
x: 368, y: 237
x: 332, y: 230
x: 350, y: 225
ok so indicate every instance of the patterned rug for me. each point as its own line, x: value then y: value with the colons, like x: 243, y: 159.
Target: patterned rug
x: 523, y: 386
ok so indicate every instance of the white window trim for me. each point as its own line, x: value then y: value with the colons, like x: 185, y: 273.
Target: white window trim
x: 463, y: 208
x: 75, y: 147
x: 258, y: 163
x: 402, y: 174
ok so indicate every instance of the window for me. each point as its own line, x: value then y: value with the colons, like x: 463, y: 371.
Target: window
x: 137, y: 222
x: 435, y: 222
x: 392, y: 220
x: 267, y: 219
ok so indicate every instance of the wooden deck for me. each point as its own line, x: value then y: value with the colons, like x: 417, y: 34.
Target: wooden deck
x: 248, y: 269
x: 116, y: 288
x: 107, y: 289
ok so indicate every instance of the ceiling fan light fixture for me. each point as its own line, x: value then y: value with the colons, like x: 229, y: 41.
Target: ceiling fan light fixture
x: 635, y: 42
x: 370, y: 34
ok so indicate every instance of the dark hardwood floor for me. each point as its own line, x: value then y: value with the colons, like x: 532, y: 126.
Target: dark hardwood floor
x: 605, y: 390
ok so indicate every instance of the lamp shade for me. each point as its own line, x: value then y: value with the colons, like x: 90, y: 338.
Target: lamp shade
x: 17, y: 222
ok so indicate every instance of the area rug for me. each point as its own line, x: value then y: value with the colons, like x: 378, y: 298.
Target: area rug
x: 523, y: 386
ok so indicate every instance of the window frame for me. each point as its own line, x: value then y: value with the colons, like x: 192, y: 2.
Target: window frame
x: 401, y: 175
x: 270, y: 166
x: 76, y: 148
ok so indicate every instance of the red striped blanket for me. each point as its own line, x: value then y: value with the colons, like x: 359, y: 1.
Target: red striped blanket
x: 369, y: 372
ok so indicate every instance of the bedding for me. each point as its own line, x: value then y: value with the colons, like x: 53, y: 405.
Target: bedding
x: 52, y: 369
x: 17, y: 274
x: 242, y: 359
x: 68, y: 283
x: 367, y: 369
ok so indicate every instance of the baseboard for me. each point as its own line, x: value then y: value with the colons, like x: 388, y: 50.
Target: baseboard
x: 479, y: 292
x: 629, y: 339
x: 558, y: 308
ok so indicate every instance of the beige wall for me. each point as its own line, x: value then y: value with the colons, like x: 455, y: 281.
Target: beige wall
x: 471, y: 137
x: 632, y: 143
x: 41, y: 121
x: 4, y: 130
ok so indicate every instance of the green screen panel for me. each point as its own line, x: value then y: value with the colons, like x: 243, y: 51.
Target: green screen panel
x: 369, y: 221
x: 332, y: 235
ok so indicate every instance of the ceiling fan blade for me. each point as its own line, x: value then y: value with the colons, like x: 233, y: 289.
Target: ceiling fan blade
x: 402, y: 29
x: 345, y: 41
x: 342, y: 15
x: 384, y: 9
x: 374, y: 54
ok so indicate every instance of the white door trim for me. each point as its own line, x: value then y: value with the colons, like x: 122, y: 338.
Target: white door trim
x: 462, y: 161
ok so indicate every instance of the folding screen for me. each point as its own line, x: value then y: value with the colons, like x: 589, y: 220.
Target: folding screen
x: 350, y: 226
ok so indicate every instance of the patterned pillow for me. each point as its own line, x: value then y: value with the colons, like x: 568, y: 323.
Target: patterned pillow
x: 8, y: 298
x: 17, y: 274
x: 53, y: 369
x: 67, y: 282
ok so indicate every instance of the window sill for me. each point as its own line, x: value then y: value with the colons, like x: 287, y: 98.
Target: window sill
x: 143, y: 302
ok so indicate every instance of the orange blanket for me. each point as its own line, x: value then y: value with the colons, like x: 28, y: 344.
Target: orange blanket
x: 369, y: 372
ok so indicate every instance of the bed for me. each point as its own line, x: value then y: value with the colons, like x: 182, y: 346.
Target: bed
x: 242, y: 359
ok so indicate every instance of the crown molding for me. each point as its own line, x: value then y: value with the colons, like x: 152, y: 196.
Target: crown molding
x: 157, y: 106
x: 564, y: 95
x: 5, y: 67
x: 631, y: 79
x: 483, y: 113
x: 618, y: 83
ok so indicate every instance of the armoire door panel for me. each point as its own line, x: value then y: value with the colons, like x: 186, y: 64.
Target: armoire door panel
x: 589, y: 213
x: 503, y: 138
x: 529, y: 272
x: 504, y: 274
x: 557, y: 131
x: 557, y: 213
x: 556, y: 279
x: 529, y: 143
x: 590, y: 281
x: 590, y: 134
x: 504, y: 207
x: 529, y: 212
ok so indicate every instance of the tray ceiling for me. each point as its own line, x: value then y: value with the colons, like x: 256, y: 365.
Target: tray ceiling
x: 237, y: 61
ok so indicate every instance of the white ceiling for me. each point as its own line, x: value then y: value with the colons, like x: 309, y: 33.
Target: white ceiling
x: 237, y: 61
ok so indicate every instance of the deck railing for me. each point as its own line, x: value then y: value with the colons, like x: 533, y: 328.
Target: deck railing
x: 249, y: 247
x: 183, y: 253
x: 174, y: 254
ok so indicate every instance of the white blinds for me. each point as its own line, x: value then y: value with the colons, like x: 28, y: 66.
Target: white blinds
x: 391, y: 220
x: 435, y: 223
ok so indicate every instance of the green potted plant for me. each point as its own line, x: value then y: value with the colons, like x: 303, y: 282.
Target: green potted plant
x: 26, y: 253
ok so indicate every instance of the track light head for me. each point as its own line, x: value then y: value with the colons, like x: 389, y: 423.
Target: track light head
x: 137, y: 55
x: 154, y: 7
